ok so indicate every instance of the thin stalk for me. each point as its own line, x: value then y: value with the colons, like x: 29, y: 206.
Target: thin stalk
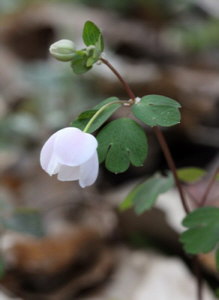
x: 98, y: 113
x: 124, y: 83
x: 208, y: 188
x: 198, y: 275
x: 171, y: 165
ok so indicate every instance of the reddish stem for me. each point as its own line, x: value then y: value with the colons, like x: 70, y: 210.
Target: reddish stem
x: 199, y: 279
x: 124, y: 83
x: 171, y: 165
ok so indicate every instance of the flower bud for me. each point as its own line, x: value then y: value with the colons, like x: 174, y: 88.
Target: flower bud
x: 63, y: 50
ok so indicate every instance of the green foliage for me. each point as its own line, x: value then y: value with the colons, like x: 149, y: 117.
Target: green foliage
x: 79, y: 63
x: 122, y: 142
x: 93, y: 57
x: 202, y: 234
x: 85, y: 58
x: 190, y: 175
x: 156, y: 110
x: 92, y: 36
x: 85, y: 117
x: 144, y: 195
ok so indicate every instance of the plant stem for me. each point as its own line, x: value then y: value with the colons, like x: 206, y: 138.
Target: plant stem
x: 198, y: 274
x: 171, y: 164
x: 99, y: 112
x: 124, y: 83
x: 208, y: 188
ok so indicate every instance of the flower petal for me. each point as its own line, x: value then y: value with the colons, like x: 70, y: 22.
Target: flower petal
x: 89, y: 171
x: 67, y: 173
x: 73, y: 147
x: 48, y: 160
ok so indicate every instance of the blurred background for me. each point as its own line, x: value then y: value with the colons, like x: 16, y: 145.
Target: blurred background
x: 57, y: 240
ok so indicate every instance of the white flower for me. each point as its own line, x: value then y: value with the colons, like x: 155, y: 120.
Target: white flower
x: 71, y: 153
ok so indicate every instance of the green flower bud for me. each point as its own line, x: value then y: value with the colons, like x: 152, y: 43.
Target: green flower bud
x: 63, y: 50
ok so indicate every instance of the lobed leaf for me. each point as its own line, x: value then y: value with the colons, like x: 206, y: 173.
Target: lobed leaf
x: 202, y: 234
x: 156, y: 110
x: 120, y: 143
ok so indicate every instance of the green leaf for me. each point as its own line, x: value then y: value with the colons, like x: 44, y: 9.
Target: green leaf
x: 156, y: 110
x: 90, y: 61
x: 25, y: 220
x: 108, y: 100
x: 144, y: 195
x: 85, y: 117
x: 87, y: 114
x: 120, y: 143
x: 93, y: 56
x: 92, y: 36
x: 100, y: 43
x: 79, y: 63
x: 202, y: 234
x: 81, y: 122
x: 190, y: 175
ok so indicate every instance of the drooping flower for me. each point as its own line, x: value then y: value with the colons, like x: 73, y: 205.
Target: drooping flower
x: 72, y: 154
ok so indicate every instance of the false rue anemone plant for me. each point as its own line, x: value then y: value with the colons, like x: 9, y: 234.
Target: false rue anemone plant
x: 71, y: 153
